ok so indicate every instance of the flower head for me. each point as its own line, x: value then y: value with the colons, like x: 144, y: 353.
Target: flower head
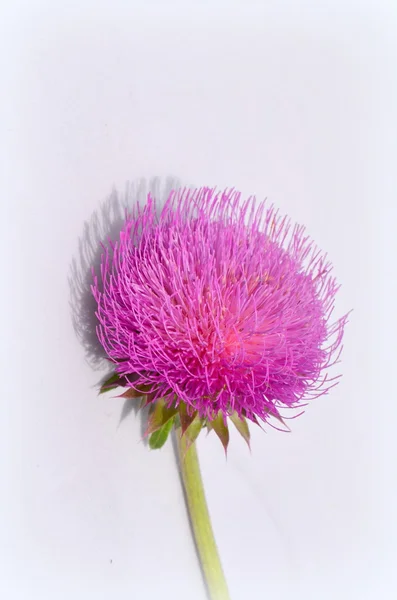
x: 220, y: 305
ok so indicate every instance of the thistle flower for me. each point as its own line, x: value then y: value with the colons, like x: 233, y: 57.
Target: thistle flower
x: 219, y: 305
x: 213, y: 309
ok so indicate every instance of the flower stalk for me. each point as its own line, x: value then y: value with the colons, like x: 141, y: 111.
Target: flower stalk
x: 200, y: 519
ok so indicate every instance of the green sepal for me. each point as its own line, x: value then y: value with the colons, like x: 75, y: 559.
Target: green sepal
x: 221, y: 430
x: 241, y: 425
x: 159, y: 437
x: 159, y: 416
x: 185, y: 417
x: 138, y: 392
x: 110, y: 384
x: 192, y: 431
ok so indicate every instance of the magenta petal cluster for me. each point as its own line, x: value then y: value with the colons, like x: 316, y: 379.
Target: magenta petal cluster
x: 218, y: 303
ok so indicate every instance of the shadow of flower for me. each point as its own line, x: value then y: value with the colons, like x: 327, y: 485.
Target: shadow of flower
x: 104, y: 225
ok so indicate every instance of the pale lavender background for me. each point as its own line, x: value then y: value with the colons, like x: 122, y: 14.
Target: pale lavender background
x: 290, y: 101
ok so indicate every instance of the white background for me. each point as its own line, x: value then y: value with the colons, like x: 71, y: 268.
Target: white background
x: 290, y: 100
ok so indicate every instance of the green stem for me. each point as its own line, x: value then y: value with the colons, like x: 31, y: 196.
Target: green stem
x: 200, y: 518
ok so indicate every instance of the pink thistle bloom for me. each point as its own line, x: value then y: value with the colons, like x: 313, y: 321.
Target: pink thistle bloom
x: 219, y: 304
